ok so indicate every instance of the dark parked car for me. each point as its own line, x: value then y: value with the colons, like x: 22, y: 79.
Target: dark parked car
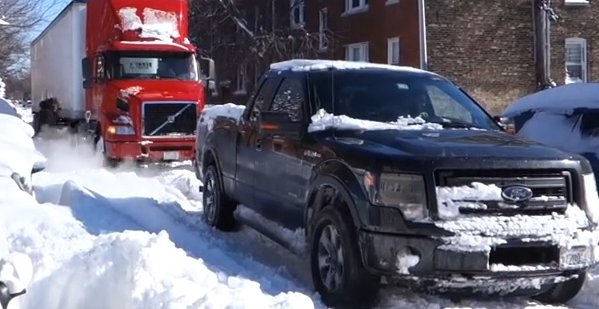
x: 395, y: 173
x: 565, y: 117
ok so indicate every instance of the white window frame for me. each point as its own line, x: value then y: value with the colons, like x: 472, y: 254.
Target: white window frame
x: 583, y: 61
x: 300, y: 6
x: 576, y: 2
x: 323, y: 26
x: 390, y: 42
x: 241, y: 80
x: 389, y: 2
x: 362, y: 46
x: 362, y: 6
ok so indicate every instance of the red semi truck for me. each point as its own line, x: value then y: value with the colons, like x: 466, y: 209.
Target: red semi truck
x: 125, y: 72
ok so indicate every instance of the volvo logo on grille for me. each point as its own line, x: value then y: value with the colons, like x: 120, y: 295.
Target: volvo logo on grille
x: 170, y: 119
x: 516, y: 194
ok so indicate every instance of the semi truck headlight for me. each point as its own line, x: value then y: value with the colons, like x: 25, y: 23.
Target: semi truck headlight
x: 120, y: 130
x: 404, y: 191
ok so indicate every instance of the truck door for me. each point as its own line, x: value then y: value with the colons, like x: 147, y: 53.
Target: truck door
x: 281, y: 177
x: 98, y: 86
x: 248, y: 146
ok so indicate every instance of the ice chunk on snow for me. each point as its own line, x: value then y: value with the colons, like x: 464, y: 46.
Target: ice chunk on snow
x: 228, y: 110
x: 323, y: 121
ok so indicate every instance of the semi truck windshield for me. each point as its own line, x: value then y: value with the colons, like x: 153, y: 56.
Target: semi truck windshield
x: 128, y: 65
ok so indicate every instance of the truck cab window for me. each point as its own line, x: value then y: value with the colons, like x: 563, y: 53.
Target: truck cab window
x: 290, y: 99
x: 152, y: 65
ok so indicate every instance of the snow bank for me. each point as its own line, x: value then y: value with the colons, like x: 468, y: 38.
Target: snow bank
x: 320, y: 64
x: 18, y: 152
x: 157, y: 24
x: 559, y: 100
x: 323, y: 121
x: 229, y: 110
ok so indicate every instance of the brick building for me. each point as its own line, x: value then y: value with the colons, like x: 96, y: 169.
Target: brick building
x: 487, y: 47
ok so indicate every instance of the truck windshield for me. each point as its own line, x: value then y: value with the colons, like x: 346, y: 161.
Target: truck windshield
x: 386, y: 95
x: 151, y: 65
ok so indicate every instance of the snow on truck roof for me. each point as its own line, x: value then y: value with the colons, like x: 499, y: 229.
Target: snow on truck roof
x: 563, y: 99
x: 321, y: 64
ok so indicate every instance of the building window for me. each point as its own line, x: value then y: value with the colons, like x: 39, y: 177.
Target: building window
x: 576, y: 60
x: 241, y: 80
x: 323, y: 26
x: 353, y: 5
x: 297, y: 13
x: 393, y: 51
x: 357, y: 52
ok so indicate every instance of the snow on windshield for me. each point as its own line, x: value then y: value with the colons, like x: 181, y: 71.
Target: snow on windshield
x: 563, y: 99
x: 158, y: 24
x: 322, y: 121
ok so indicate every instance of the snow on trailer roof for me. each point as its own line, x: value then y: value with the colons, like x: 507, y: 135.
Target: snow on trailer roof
x: 322, y: 64
x: 563, y: 99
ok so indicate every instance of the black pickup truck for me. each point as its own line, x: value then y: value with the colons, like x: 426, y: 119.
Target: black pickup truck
x: 396, y: 176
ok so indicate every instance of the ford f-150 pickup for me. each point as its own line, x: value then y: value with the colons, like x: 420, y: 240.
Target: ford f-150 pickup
x: 396, y: 176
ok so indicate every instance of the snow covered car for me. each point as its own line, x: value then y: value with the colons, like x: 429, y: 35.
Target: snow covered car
x: 395, y: 173
x: 566, y: 117
x: 18, y: 157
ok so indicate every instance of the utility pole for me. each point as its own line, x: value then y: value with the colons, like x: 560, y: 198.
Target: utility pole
x: 543, y: 14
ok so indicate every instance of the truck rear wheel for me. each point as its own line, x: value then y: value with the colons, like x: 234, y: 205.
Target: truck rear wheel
x: 564, y: 291
x: 337, y: 270
x: 218, y: 208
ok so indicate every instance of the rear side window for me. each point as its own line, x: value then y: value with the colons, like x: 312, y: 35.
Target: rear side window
x: 262, y: 96
x: 290, y: 98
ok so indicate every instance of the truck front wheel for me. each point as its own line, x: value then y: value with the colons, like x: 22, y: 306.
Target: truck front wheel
x: 218, y: 208
x: 337, y: 270
x: 564, y: 291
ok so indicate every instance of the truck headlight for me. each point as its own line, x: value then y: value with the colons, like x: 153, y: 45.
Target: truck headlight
x: 591, y: 197
x: 121, y: 130
x: 404, y: 191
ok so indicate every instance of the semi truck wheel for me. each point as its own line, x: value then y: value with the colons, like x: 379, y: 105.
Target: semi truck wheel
x: 218, y: 208
x: 337, y: 271
x: 564, y: 291
x: 100, y: 147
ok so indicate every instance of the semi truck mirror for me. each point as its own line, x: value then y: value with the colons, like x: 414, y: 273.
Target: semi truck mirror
x: 207, y: 68
x: 86, y: 72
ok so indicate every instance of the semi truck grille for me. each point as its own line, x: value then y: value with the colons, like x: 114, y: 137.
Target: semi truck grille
x: 552, y: 190
x: 169, y: 119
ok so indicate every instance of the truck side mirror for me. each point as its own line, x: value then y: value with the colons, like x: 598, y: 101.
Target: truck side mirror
x: 278, y: 123
x: 86, y: 73
x: 207, y: 68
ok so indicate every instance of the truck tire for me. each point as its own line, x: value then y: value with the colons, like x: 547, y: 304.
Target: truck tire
x: 337, y: 271
x: 564, y: 291
x: 218, y: 207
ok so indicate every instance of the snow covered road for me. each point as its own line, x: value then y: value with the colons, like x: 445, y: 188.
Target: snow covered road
x: 133, y: 238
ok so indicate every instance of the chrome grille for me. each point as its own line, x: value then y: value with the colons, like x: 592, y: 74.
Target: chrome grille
x: 552, y: 190
x: 169, y: 119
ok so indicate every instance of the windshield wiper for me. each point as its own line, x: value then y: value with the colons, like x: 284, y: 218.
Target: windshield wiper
x: 450, y: 123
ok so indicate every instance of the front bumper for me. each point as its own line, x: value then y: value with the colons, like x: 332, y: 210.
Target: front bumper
x: 152, y: 150
x: 434, y: 267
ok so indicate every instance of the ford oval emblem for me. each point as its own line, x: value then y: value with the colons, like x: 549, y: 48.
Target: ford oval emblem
x: 516, y: 194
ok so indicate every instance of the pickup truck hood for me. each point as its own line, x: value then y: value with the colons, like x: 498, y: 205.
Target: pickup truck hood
x: 161, y: 89
x: 440, y: 144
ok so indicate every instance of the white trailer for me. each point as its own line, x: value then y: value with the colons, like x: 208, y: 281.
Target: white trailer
x: 56, y: 56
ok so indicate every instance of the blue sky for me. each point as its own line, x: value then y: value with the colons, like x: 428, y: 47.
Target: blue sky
x: 54, y: 7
